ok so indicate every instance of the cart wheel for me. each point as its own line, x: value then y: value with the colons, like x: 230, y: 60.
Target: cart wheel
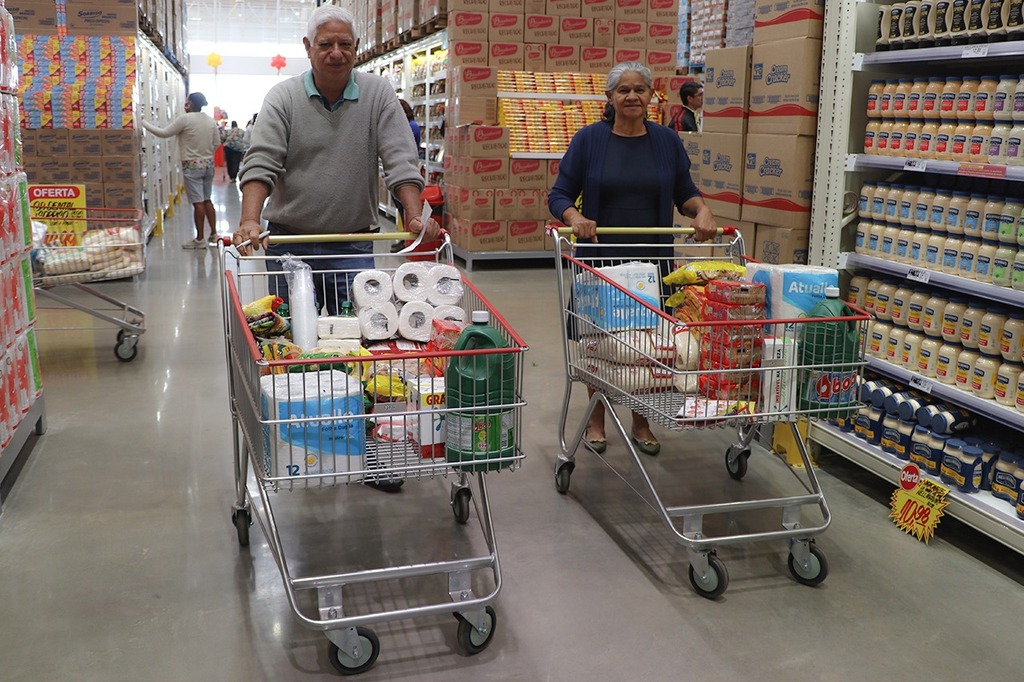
x: 562, y: 476
x: 242, y: 520
x: 120, y: 335
x: 737, y: 466
x: 472, y: 640
x: 816, y: 570
x: 347, y: 665
x: 460, y: 504
x: 126, y: 352
x: 714, y: 584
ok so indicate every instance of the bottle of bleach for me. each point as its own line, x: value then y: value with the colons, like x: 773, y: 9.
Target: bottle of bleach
x: 829, y: 352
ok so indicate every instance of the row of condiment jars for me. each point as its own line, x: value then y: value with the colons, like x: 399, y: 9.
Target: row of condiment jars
x: 964, y: 141
x: 974, y: 324
x: 948, y: 98
x: 930, y: 23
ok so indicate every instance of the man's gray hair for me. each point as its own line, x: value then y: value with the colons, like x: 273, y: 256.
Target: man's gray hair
x: 327, y: 13
x: 615, y: 75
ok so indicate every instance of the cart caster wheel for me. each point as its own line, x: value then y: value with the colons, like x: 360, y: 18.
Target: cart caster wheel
x: 347, y: 665
x: 242, y: 520
x: 125, y: 351
x: 737, y: 466
x: 816, y: 570
x: 472, y: 640
x: 562, y: 476
x: 713, y: 585
x: 120, y: 335
x: 460, y: 504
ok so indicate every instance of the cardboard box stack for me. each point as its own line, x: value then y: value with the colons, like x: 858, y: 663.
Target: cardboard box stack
x: 707, y: 27
x: 739, y: 24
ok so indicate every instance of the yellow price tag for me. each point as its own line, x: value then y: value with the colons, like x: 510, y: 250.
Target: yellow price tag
x: 918, y: 503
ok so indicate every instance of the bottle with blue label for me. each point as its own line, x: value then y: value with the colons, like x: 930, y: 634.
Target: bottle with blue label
x: 829, y: 352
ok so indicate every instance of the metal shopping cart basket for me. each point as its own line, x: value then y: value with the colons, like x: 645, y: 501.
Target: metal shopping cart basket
x: 355, y: 438
x: 697, y: 375
x: 82, y: 246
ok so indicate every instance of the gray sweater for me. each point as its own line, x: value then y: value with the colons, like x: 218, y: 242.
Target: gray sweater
x: 321, y: 165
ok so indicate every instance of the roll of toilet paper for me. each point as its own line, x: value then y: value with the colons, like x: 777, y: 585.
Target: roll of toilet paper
x: 444, y: 284
x: 410, y: 282
x: 450, y: 312
x: 415, y: 321
x: 378, y: 322
x: 372, y: 288
x: 792, y: 290
x: 332, y: 327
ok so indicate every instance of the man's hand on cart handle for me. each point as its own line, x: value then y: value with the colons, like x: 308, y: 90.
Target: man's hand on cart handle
x: 431, y: 231
x: 250, y: 237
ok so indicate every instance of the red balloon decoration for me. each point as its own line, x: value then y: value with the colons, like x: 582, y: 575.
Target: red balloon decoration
x: 278, y: 62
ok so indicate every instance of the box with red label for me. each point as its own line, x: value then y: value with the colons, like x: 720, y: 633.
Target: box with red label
x: 631, y: 35
x: 553, y: 171
x: 484, y: 142
x: 487, y: 173
x: 505, y: 28
x: 464, y: 25
x: 563, y: 8
x: 463, y: 110
x: 540, y: 28
x: 484, y: 235
x: 427, y: 397
x: 474, y: 81
x: 596, y: 60
x: 507, y: 6
x: 562, y: 58
x: 476, y: 203
x: 604, y: 32
x: 533, y: 57
x: 598, y: 9
x: 527, y: 174
x: 535, y: 7
x: 468, y: 6
x: 525, y: 235
x: 532, y: 204
x: 661, y: 64
x: 508, y: 56
x: 736, y: 293
x: 629, y: 54
x: 467, y: 53
x: 506, y: 204
x: 663, y: 11
x: 576, y: 31
x: 726, y: 90
x: 783, y: 19
x: 631, y: 10
x: 716, y: 311
x: 662, y: 37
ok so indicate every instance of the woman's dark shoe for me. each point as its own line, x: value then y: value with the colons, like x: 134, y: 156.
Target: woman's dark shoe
x: 648, y: 447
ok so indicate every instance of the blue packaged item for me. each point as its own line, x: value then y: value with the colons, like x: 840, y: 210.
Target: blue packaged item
x: 940, y: 442
x: 1004, y: 485
x: 610, y: 307
x: 962, y: 469
x: 920, y: 450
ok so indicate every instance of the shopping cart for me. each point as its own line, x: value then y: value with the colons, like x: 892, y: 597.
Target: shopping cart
x: 286, y: 451
x: 93, y: 245
x: 741, y: 385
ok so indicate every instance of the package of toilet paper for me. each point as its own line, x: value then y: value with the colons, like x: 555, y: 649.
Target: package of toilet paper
x: 792, y: 290
x: 609, y: 307
x: 304, y: 443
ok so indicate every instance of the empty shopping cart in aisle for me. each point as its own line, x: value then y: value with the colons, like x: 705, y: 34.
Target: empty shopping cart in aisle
x: 745, y: 373
x: 355, y: 430
x: 84, y: 246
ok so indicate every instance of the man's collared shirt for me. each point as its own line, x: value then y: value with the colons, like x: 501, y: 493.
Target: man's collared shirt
x: 351, y: 91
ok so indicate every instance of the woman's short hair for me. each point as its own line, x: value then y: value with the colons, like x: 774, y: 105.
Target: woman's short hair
x: 615, y: 75
x: 327, y: 13
x: 407, y: 108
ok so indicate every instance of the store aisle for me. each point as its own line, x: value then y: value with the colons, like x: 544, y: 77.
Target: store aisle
x: 118, y: 560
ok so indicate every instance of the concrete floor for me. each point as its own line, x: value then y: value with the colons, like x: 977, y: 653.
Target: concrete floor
x: 118, y: 560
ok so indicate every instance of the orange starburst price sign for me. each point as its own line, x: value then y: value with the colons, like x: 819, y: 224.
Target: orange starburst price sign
x: 917, y: 504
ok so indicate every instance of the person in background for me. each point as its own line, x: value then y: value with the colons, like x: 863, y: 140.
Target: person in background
x: 631, y: 173
x: 687, y: 119
x: 312, y: 167
x: 415, y: 127
x: 198, y: 138
x: 234, y: 149
x: 247, y: 137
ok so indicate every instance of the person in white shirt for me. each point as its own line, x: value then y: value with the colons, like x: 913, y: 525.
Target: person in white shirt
x: 198, y: 138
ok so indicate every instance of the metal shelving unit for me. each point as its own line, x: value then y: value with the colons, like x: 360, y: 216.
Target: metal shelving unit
x: 33, y: 423
x: 469, y: 257
x: 866, y: 162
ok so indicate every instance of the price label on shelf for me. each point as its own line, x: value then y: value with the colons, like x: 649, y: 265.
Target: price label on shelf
x: 918, y: 275
x: 974, y: 51
x: 921, y: 383
x: 917, y: 504
x: 915, y: 165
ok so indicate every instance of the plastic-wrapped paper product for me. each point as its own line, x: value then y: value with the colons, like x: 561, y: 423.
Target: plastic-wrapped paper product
x: 337, y: 327
x: 302, y: 302
x: 378, y: 322
x: 444, y: 285
x: 415, y: 321
x: 371, y: 288
x: 793, y: 290
x: 410, y: 282
x: 450, y: 312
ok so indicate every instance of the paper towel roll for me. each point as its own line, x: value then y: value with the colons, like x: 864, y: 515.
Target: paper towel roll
x: 444, y: 284
x: 410, y: 282
x: 337, y: 327
x: 793, y: 290
x: 415, y: 321
x: 371, y: 288
x: 449, y: 312
x: 378, y: 322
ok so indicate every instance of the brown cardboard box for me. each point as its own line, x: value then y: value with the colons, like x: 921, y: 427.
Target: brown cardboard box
x: 83, y: 142
x: 553, y: 171
x: 535, y: 7
x: 408, y: 15
x: 119, y: 141
x: 467, y: 53
x: 540, y: 28
x: 661, y: 64
x: 102, y: 17
x: 782, y: 19
x: 604, y: 33
x: 52, y: 142
x: 86, y: 169
x: 476, y: 203
x: 726, y: 89
x: 631, y: 10
x: 474, y: 81
x: 576, y: 31
x: 662, y: 37
x: 687, y: 248
x: 721, y: 173
x: 527, y: 174
x: 506, y: 206
x: 781, y: 245
x: 505, y: 28
x: 562, y: 58
x: 778, y: 180
x: 508, y: 56
x: 533, y: 57
x: 533, y: 204
x: 629, y: 54
x: 125, y: 195
x: 784, y: 87
x: 28, y: 142
x: 469, y: 5
x: 563, y: 8
x: 598, y: 9
x: 691, y: 143
x: 485, y: 142
x: 34, y: 17
x: 507, y: 6
x: 525, y: 235
x: 631, y: 35
x: 596, y: 59
x: 94, y: 194
x: 463, y: 110
x: 663, y: 11
x: 464, y: 25
x: 120, y: 169
x: 492, y: 173
x: 55, y: 169
x: 484, y: 235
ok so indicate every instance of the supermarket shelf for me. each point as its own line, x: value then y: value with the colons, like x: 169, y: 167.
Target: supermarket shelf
x: 551, y: 95
x: 536, y: 155
x: 913, y: 273
x: 983, y: 512
x: 34, y: 422
x: 857, y: 162
x: 387, y: 210
x: 979, y: 406
x: 988, y: 51
x: 470, y: 256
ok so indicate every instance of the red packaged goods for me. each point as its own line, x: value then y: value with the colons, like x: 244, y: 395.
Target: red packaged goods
x: 716, y: 311
x: 744, y: 293
x: 735, y: 349
x: 442, y: 337
x: 730, y: 387
x: 692, y: 307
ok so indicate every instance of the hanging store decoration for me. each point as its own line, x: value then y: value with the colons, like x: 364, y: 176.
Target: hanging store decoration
x: 278, y: 62
x: 213, y: 60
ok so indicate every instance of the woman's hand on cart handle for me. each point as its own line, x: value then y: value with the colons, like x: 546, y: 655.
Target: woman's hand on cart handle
x: 250, y: 237
x: 704, y: 224
x: 582, y: 226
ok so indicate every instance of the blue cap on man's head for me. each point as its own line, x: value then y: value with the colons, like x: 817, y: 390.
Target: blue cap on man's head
x: 198, y: 100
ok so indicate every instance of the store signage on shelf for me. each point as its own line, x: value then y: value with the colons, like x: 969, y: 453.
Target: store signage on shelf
x: 62, y: 208
x: 974, y: 51
x: 981, y: 170
x: 915, y: 165
x: 919, y: 275
x: 921, y: 384
x: 918, y: 503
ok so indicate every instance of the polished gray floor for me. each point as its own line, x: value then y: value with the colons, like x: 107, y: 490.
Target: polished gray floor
x: 118, y: 560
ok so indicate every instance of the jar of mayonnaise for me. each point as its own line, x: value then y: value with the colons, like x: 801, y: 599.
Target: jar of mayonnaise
x: 1017, y: 272
x: 931, y: 102
x: 900, y: 307
x: 956, y: 214
x: 885, y: 99
x: 915, y: 309
x: 878, y: 339
x: 1011, y: 340
x: 919, y: 246
x: 911, y: 350
x: 970, y: 325
x: 968, y: 257
x: 923, y: 207
x: 961, y: 135
x: 983, y: 381
x: 1002, y: 101
x: 983, y: 263
x: 979, y: 141
x: 945, y: 363
x: 991, y: 217
x: 867, y: 193
x: 928, y: 357
x: 874, y: 96
x: 1014, y: 157
x: 1006, y: 382
x: 943, y: 141
x: 997, y: 142
x: 940, y: 207
x: 973, y: 216
x: 952, y: 319
x: 883, y: 299
x: 947, y: 99
x: 990, y: 333
x: 1002, y: 264
x: 985, y: 98
x: 870, y: 293
x: 965, y: 368
x: 934, y: 315
x: 857, y: 290
x: 966, y: 97
x: 878, y: 200
x: 896, y: 135
x: 951, y: 249
x: 894, y: 344
x: 871, y: 135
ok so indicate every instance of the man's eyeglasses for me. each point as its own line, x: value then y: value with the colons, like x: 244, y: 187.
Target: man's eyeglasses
x: 328, y: 45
